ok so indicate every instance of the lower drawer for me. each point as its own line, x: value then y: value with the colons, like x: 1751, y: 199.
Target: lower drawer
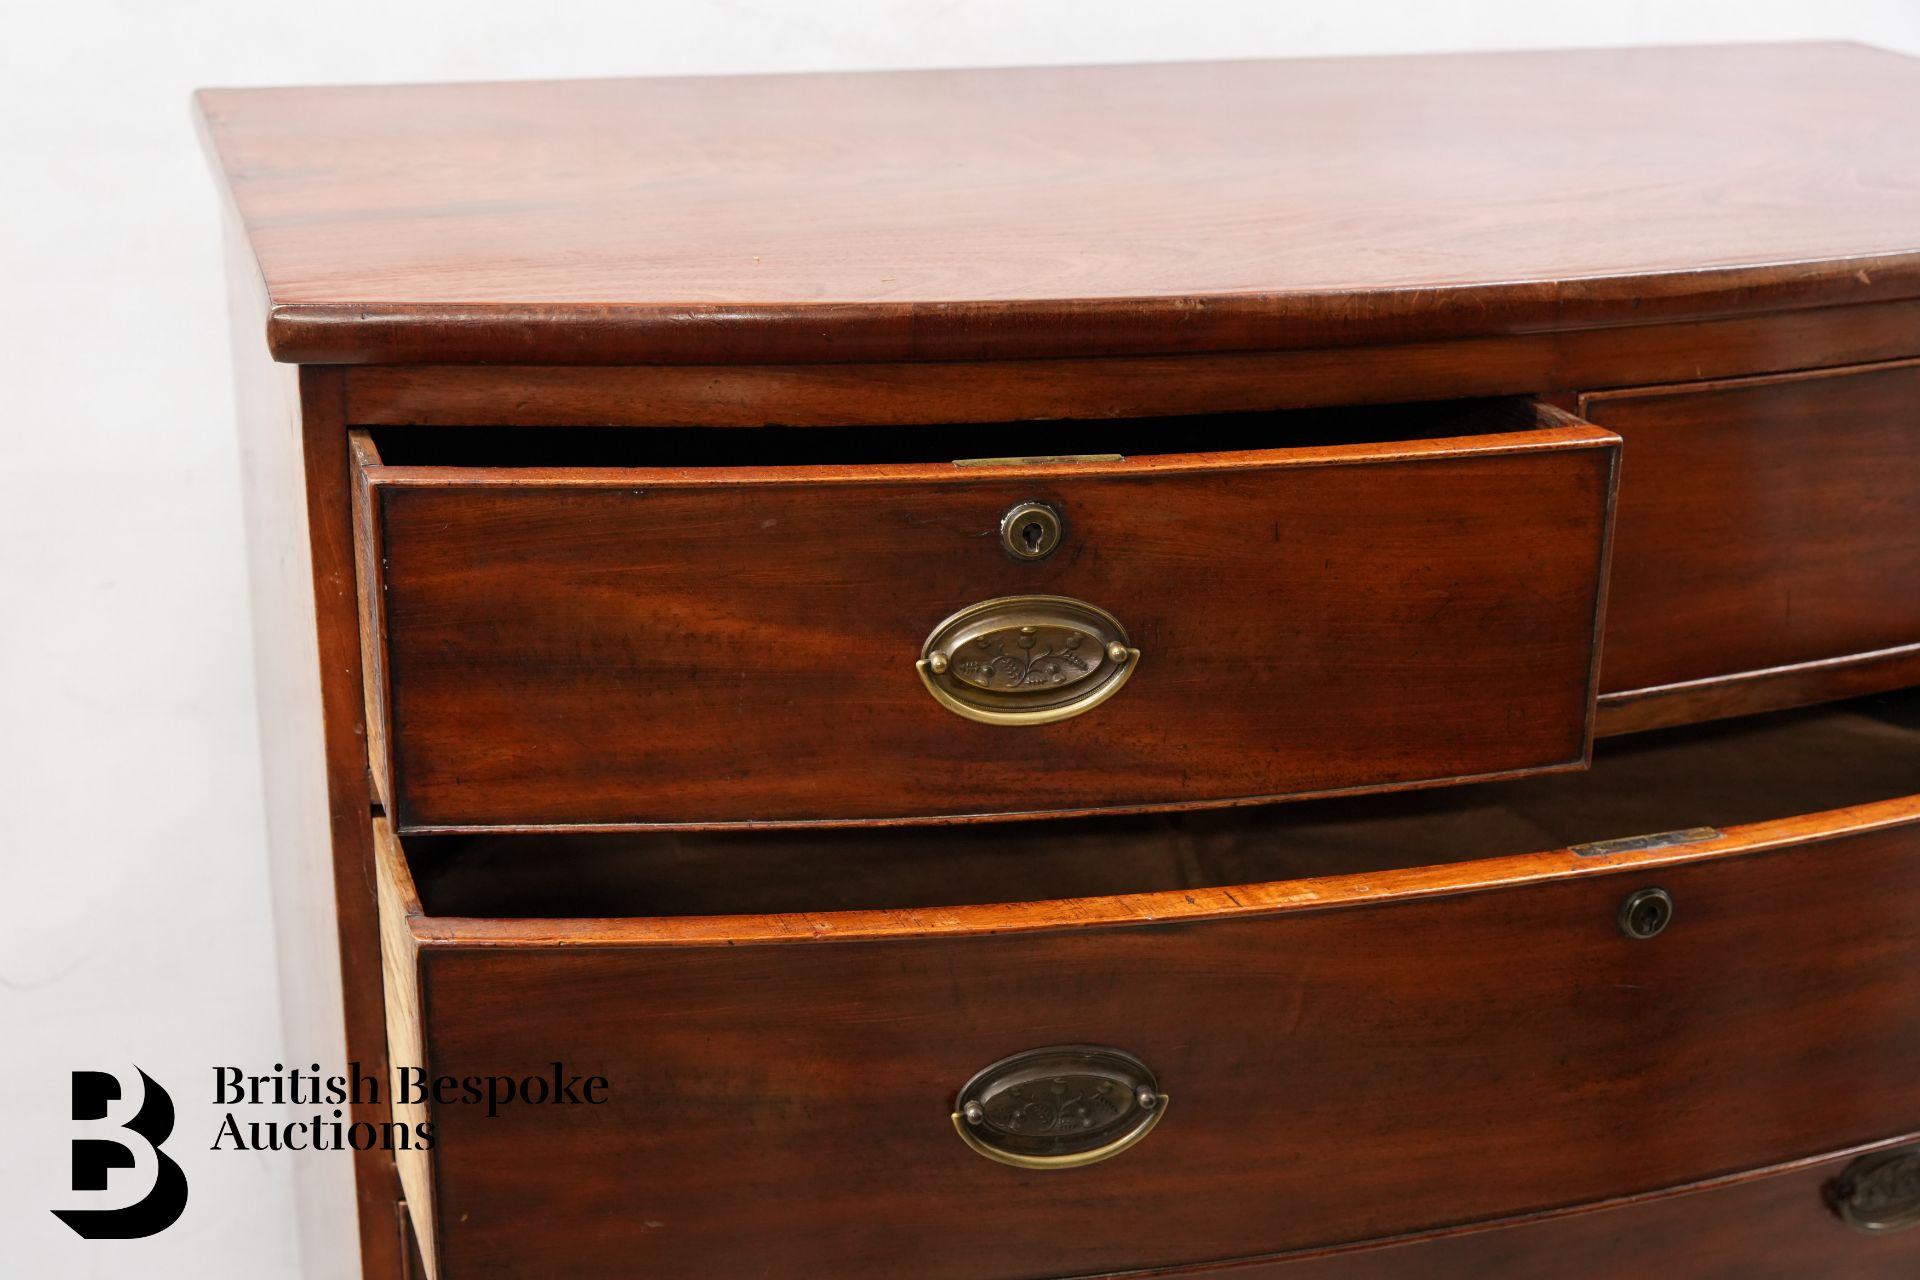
x: 1773, y: 1224
x: 1336, y: 1042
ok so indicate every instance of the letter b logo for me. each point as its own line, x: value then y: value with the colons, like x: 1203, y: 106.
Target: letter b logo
x: 161, y: 1207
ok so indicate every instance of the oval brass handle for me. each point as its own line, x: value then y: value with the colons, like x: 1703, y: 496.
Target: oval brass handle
x: 1059, y: 1108
x: 1026, y: 659
x: 1880, y: 1192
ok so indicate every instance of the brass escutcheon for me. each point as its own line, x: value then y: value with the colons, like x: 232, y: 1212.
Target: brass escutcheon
x: 1031, y: 531
x: 1646, y: 914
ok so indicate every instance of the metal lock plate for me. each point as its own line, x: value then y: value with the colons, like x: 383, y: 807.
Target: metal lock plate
x: 1646, y: 914
x: 1031, y: 531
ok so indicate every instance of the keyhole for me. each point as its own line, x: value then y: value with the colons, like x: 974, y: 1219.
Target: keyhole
x: 1030, y: 531
x: 1646, y: 913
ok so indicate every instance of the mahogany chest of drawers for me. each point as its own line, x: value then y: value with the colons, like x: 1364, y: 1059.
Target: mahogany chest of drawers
x: 1281, y: 670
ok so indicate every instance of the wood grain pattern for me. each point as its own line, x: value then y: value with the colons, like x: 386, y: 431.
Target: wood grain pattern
x: 1356, y: 1049
x: 1763, y: 523
x: 1751, y: 692
x: 615, y: 646
x: 413, y: 1266
x: 1764, y: 769
x: 983, y: 391
x: 1072, y: 211
x: 313, y: 753
x: 1771, y: 1224
x: 406, y: 1047
x: 1336, y: 1074
x: 1185, y: 905
x: 368, y: 555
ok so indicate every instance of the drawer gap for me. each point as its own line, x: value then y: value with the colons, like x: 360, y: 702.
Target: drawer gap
x: 1020, y: 443
x: 1759, y: 769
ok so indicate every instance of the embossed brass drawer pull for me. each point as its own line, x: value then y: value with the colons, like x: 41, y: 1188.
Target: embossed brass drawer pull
x: 1880, y: 1193
x: 1026, y: 659
x: 1059, y: 1108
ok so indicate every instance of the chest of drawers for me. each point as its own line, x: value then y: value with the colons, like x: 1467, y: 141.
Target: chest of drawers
x: 1285, y: 669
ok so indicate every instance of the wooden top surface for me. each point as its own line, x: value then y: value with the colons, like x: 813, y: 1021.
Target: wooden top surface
x: 1073, y: 211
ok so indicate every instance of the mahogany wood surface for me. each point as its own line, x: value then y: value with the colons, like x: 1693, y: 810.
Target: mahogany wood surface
x: 1346, y: 1060
x: 368, y: 553
x: 1000, y: 391
x: 1744, y: 693
x: 328, y: 511
x: 1072, y: 211
x: 1713, y: 251
x: 1763, y: 523
x: 1772, y: 1224
x: 613, y: 646
x: 1760, y: 769
x: 901, y: 923
x: 313, y: 754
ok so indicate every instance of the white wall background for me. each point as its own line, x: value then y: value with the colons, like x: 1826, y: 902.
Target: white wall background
x: 133, y: 889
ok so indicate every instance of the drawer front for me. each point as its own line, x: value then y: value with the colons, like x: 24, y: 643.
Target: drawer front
x: 1765, y: 523
x: 1775, y: 1224
x: 613, y: 647
x: 1341, y: 1060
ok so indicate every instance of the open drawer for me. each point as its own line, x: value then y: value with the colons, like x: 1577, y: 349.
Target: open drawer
x: 1263, y: 1029
x: 605, y: 628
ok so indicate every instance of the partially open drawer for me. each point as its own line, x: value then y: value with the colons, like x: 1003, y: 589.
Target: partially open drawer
x: 631, y: 628
x: 1247, y: 1032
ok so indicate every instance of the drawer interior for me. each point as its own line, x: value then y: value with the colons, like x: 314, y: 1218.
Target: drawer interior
x: 1753, y: 770
x: 533, y: 448
x: 1312, y: 1028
